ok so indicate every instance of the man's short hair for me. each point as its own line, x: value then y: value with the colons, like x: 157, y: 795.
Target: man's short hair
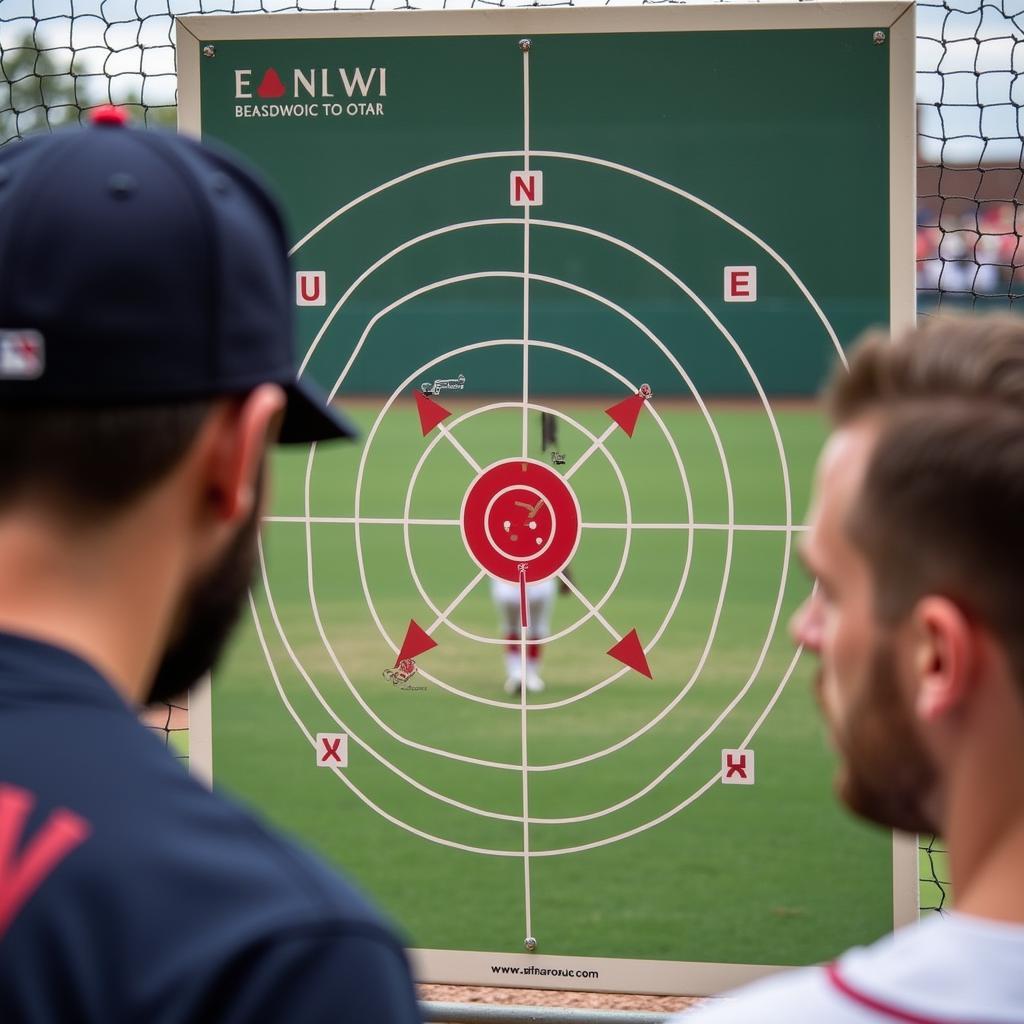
x: 941, y: 510
x: 83, y: 463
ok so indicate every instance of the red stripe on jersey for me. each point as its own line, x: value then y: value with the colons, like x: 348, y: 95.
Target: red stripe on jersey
x: 879, y: 1006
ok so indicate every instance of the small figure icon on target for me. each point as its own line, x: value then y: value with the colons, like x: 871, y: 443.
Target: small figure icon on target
x: 401, y: 673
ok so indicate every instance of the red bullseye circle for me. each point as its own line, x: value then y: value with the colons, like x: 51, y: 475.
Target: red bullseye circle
x: 520, y: 512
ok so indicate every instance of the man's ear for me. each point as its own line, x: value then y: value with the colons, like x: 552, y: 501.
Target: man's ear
x: 945, y: 655
x: 239, y: 433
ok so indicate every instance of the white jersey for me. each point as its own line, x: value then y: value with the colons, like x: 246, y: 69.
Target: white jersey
x: 946, y: 970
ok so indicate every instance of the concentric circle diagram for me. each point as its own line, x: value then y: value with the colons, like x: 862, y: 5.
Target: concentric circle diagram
x: 521, y: 519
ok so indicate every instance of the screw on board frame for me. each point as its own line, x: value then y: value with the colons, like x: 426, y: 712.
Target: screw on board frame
x: 209, y: 50
x: 878, y: 38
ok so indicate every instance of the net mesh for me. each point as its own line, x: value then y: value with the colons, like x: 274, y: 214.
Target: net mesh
x: 969, y: 93
x: 61, y: 58
x: 934, y: 875
x: 169, y: 723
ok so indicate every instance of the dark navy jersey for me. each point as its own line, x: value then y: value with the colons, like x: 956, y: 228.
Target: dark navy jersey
x: 128, y: 892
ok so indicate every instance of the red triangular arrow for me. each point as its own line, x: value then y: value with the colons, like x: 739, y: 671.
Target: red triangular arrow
x: 431, y: 412
x: 415, y: 643
x: 625, y: 413
x: 630, y: 652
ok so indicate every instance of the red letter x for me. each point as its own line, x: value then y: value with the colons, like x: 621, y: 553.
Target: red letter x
x: 331, y: 750
x: 737, y: 767
x: 21, y: 874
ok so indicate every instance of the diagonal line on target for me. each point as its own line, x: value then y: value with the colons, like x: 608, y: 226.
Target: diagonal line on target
x: 599, y: 443
x: 574, y: 590
x: 443, y: 617
x: 500, y: 641
x: 448, y: 435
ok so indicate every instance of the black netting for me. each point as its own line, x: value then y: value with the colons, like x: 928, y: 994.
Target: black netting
x: 169, y: 722
x: 934, y: 875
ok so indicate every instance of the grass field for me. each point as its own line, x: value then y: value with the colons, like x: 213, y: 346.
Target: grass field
x: 769, y: 873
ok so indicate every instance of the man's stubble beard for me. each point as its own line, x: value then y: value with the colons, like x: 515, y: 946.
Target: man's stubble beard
x: 886, y: 776
x: 208, y: 613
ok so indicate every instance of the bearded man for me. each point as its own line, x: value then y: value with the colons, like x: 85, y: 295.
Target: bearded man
x: 916, y: 543
x: 145, y: 366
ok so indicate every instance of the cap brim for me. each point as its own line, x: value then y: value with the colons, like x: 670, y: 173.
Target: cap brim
x: 309, y: 417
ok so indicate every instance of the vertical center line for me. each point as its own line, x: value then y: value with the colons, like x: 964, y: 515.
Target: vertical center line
x: 526, y: 445
x: 526, y: 255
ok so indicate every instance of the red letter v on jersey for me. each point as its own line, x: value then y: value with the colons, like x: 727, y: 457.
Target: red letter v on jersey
x: 24, y: 866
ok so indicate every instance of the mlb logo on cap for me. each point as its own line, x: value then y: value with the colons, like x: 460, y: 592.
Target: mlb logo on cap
x: 22, y: 355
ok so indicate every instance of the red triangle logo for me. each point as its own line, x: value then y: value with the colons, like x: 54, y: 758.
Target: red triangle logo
x: 626, y: 412
x: 415, y: 643
x: 271, y: 87
x: 630, y: 652
x: 431, y: 412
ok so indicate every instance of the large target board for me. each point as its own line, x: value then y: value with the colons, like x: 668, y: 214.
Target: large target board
x: 577, y: 275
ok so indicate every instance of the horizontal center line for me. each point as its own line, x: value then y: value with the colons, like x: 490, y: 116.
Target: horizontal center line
x: 375, y: 521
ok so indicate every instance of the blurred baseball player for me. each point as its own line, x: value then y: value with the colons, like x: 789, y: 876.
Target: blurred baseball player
x: 540, y: 599
x: 145, y: 366
x: 916, y: 539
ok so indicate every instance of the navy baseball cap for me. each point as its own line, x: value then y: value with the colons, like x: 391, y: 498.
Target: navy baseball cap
x: 140, y: 266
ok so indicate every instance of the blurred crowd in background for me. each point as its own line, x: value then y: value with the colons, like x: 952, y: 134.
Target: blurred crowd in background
x: 969, y: 249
